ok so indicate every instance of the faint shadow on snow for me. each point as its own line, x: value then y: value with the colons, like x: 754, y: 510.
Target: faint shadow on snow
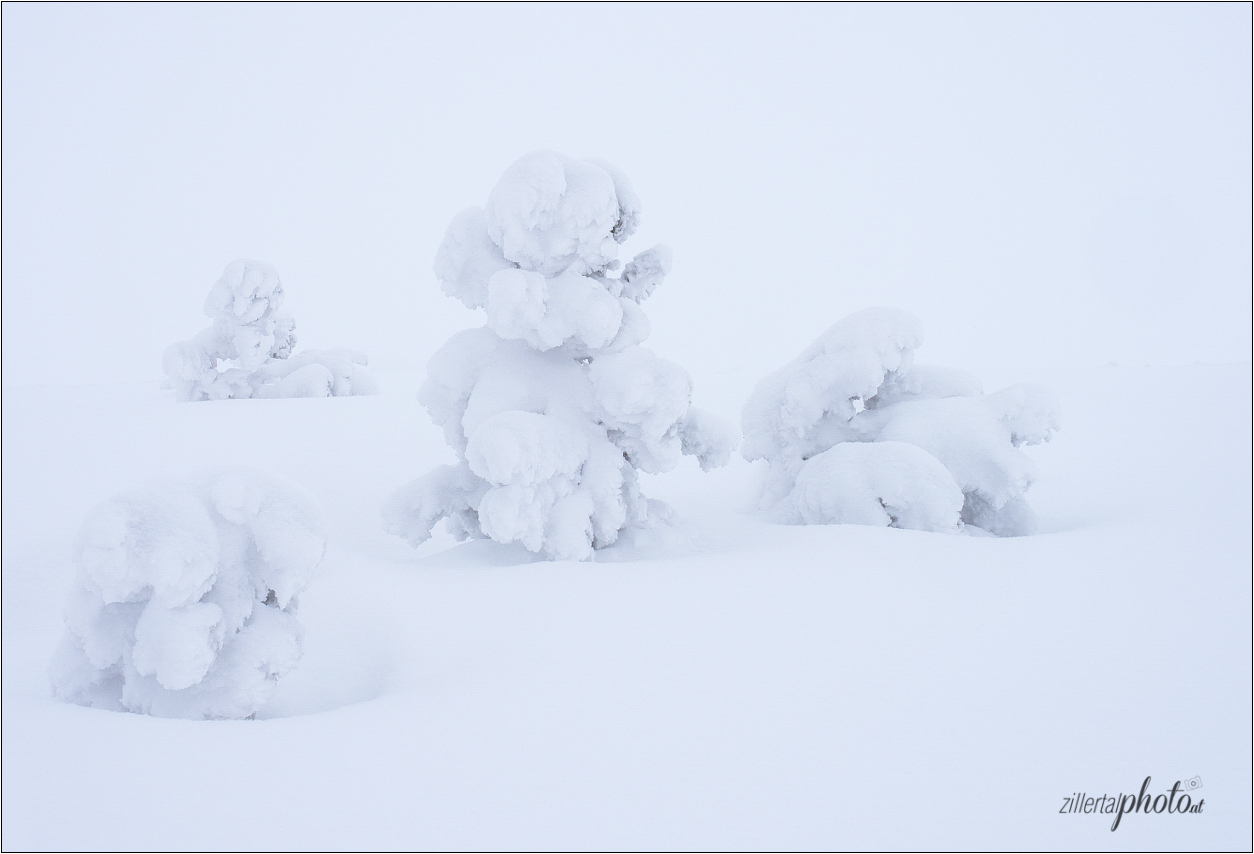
x: 347, y: 661
x: 664, y: 540
x: 479, y: 553
x: 326, y: 682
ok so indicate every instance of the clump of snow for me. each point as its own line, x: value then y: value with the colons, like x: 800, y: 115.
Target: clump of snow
x: 185, y: 597
x: 247, y: 352
x: 875, y: 483
x: 854, y: 431
x: 553, y: 406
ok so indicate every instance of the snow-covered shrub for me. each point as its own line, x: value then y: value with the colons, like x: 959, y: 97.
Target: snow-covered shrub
x: 247, y: 352
x: 185, y: 595
x: 553, y: 406
x: 854, y: 431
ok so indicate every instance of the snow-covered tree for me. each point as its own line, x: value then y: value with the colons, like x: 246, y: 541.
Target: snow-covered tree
x: 854, y: 431
x: 553, y: 406
x: 184, y: 599
x: 247, y: 352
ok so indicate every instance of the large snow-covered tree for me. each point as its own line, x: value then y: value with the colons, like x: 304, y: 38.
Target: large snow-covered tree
x: 247, y: 352
x: 854, y: 431
x: 553, y: 406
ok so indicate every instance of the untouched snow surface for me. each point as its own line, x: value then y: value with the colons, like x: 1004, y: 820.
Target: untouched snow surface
x: 727, y: 683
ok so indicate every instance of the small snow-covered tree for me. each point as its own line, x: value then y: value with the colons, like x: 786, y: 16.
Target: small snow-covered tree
x: 247, y: 352
x: 553, y: 406
x: 184, y: 599
x: 854, y: 431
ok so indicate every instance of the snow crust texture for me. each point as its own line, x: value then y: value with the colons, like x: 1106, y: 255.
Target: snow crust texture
x: 552, y: 407
x: 247, y: 352
x: 185, y: 597
x: 854, y: 431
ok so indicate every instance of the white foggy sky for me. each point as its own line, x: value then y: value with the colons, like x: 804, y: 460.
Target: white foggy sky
x: 1041, y: 185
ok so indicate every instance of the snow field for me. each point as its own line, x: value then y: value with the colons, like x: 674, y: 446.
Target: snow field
x: 729, y: 682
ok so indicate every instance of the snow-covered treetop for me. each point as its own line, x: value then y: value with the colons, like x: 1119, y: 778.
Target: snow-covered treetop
x: 246, y: 292
x: 557, y: 220
x: 245, y: 305
x: 551, y: 213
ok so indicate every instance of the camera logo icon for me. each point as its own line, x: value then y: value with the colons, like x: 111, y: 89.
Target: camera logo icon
x: 1191, y: 785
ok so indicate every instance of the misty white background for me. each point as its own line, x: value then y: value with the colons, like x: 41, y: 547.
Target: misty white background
x: 1041, y: 185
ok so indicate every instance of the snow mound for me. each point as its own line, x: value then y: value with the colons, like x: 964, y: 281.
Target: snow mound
x: 858, y: 384
x: 185, y: 597
x: 247, y: 352
x: 875, y: 483
x: 553, y: 406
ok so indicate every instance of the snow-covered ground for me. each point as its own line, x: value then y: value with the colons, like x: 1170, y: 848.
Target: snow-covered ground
x: 729, y: 683
x: 1048, y: 188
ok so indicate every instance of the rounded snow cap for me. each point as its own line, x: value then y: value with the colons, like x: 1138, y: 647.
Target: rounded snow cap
x: 246, y: 292
x: 551, y: 213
